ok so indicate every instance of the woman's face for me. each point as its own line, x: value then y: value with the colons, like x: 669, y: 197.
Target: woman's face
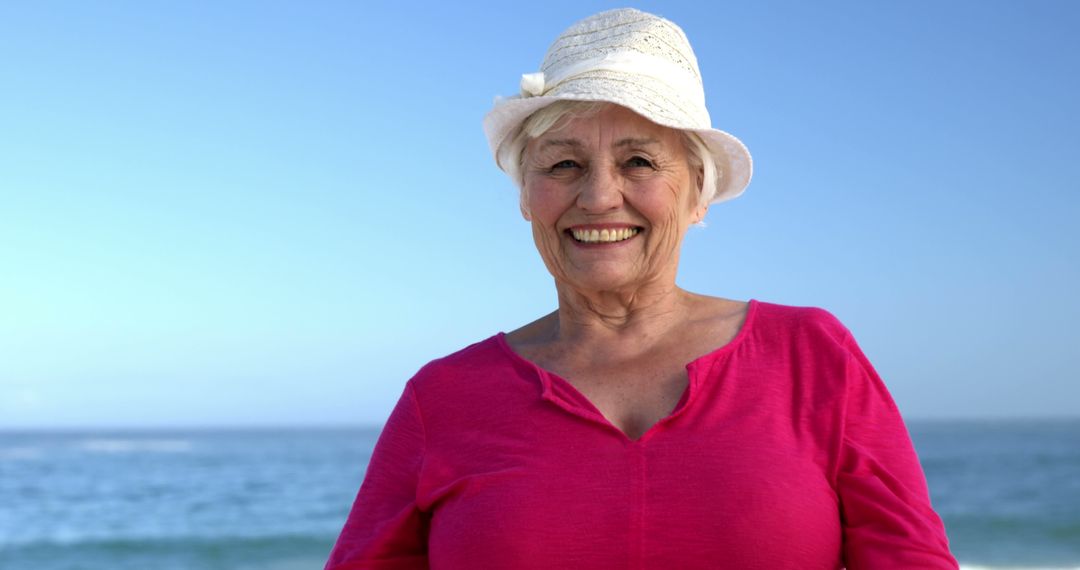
x: 610, y: 196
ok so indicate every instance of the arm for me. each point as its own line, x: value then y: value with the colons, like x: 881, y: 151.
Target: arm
x: 887, y: 518
x: 385, y: 529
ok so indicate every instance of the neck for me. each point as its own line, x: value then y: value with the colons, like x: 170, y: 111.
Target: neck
x: 643, y: 314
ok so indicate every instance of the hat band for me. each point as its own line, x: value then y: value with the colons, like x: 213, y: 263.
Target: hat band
x: 629, y: 62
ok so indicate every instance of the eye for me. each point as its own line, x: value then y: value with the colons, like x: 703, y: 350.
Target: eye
x: 564, y: 164
x: 639, y: 162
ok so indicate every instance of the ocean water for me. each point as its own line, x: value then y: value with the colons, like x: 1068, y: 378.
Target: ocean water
x: 176, y: 500
x: 1009, y: 493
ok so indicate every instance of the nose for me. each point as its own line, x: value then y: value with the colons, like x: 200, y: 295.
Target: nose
x: 601, y: 191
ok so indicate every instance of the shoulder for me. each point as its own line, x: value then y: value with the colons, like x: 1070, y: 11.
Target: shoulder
x: 807, y: 331
x: 815, y: 349
x: 480, y: 368
x: 475, y: 388
x: 814, y: 335
x: 477, y: 355
x: 811, y: 322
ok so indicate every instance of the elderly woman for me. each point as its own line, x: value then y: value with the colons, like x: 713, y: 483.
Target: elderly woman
x: 639, y: 425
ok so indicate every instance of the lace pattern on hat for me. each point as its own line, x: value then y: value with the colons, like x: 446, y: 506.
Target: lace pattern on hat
x: 650, y: 36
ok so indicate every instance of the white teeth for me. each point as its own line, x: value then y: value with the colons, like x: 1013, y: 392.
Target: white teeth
x: 605, y: 235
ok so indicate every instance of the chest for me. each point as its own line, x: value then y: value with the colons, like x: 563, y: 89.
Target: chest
x: 632, y: 389
x: 568, y: 493
x: 632, y: 398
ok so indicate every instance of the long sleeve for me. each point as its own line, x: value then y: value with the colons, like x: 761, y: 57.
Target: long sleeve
x: 888, y: 521
x: 385, y: 529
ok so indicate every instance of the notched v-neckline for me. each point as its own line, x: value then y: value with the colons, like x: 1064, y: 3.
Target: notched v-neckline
x: 563, y: 393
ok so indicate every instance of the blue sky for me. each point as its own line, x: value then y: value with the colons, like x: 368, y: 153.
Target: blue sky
x: 228, y: 213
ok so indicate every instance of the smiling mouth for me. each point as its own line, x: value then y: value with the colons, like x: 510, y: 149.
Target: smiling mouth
x: 606, y: 235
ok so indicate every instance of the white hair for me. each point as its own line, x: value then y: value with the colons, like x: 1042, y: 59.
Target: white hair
x: 513, y: 156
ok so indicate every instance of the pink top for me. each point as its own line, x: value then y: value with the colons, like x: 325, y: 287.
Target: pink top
x: 786, y: 451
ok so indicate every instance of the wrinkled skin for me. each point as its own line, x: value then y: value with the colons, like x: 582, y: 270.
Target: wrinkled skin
x: 623, y: 332
x: 612, y: 167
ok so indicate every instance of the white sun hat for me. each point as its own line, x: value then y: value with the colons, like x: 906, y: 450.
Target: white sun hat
x: 633, y: 59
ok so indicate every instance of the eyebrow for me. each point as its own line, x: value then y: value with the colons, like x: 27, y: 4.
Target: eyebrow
x: 636, y: 142
x: 574, y: 143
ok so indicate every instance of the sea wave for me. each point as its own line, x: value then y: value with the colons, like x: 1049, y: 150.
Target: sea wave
x: 984, y: 567
x: 21, y: 452
x: 278, y: 552
x: 82, y: 539
x: 134, y: 445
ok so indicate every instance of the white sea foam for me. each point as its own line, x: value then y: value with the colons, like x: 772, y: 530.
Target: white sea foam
x: 21, y: 452
x: 983, y: 567
x: 118, y: 445
x: 290, y: 564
